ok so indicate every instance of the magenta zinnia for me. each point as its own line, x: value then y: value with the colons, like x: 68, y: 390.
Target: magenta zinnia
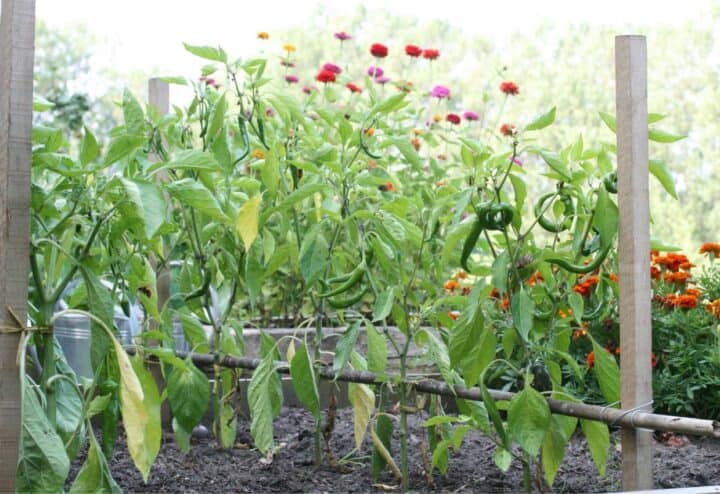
x: 440, y: 92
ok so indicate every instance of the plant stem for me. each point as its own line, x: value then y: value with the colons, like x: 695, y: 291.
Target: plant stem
x: 403, y: 423
x: 527, y: 483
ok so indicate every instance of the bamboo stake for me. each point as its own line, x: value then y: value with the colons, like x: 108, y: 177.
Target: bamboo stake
x: 17, y: 49
x: 633, y: 419
x: 634, y: 254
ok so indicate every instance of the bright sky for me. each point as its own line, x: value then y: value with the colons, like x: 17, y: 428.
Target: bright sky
x: 147, y: 34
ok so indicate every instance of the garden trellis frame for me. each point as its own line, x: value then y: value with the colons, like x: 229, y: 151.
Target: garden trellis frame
x: 17, y: 28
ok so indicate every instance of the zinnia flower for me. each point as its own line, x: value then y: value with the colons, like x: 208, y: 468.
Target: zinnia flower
x: 440, y: 92
x: 373, y: 71
x: 291, y: 79
x: 309, y: 89
x: 413, y: 51
x: 509, y: 87
x: 332, y: 68
x: 354, y: 88
x: 325, y: 76
x: 263, y: 35
x: 342, y: 36
x: 286, y: 63
x: 471, y: 115
x: 378, y: 50
x: 453, y: 118
x: 289, y: 47
x: 507, y: 129
x: 382, y: 79
x: 431, y: 53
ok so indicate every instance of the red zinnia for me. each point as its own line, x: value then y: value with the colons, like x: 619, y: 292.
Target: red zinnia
x: 507, y: 129
x: 509, y: 87
x: 453, y: 118
x: 325, y: 76
x: 378, y: 50
x: 431, y: 53
x: 413, y: 50
x: 353, y: 87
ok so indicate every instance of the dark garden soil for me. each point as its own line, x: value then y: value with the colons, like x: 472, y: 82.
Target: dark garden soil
x: 678, y: 462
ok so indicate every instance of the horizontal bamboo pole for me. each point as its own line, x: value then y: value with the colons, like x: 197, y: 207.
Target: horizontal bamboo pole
x: 635, y: 419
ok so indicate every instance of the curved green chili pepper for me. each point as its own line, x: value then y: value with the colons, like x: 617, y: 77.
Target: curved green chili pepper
x: 596, y: 312
x: 551, y: 226
x: 246, y: 140
x: 496, y: 216
x: 261, y: 133
x: 347, y: 302
x: 202, y: 290
x: 470, y: 242
x: 610, y: 182
x: 582, y: 268
x: 355, y: 276
x: 543, y: 316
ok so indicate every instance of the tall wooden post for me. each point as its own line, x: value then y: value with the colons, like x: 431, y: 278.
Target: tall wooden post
x: 634, y: 254
x: 17, y: 50
x: 159, y: 98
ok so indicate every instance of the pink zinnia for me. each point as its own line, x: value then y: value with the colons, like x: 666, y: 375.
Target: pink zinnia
x: 286, y: 63
x: 342, y: 36
x: 382, y: 80
x: 375, y: 71
x: 440, y: 92
x: 291, y: 79
x: 471, y: 115
x: 332, y: 68
x: 269, y: 112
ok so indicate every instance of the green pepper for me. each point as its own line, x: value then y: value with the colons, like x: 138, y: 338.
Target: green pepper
x: 610, y: 182
x: 470, y: 242
x: 355, y: 276
x: 246, y: 140
x: 261, y: 132
x: 202, y: 290
x: 596, y: 312
x: 496, y: 216
x: 550, y: 225
x: 582, y: 268
x: 347, y: 302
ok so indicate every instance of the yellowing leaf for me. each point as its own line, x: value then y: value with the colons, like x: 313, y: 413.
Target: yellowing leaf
x: 135, y: 415
x: 362, y: 399
x: 247, y: 222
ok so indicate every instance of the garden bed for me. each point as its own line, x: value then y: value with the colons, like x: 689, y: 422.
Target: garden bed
x: 677, y: 463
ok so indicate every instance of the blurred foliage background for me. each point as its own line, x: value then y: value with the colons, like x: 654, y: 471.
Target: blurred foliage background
x: 568, y: 66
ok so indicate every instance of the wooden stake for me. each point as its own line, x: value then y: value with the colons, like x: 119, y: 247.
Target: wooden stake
x: 159, y: 98
x: 634, y: 254
x: 17, y: 47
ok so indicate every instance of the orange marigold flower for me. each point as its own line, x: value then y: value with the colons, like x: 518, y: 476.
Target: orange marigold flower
x: 614, y: 277
x: 416, y: 143
x: 506, y: 302
x: 258, y: 154
x: 685, y: 302
x: 454, y: 314
x: 678, y: 278
x: 466, y: 290
x: 263, y: 35
x: 585, y: 287
x: 388, y: 187
x: 451, y: 285
x: 494, y: 293
x: 671, y: 261
x: 714, y: 308
x: 655, y: 273
x: 460, y: 275
x: 417, y: 132
x: 710, y: 248
x: 687, y: 266
x: 288, y: 47
x: 370, y: 131
x: 590, y: 360
x: 695, y: 292
x: 534, y: 278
